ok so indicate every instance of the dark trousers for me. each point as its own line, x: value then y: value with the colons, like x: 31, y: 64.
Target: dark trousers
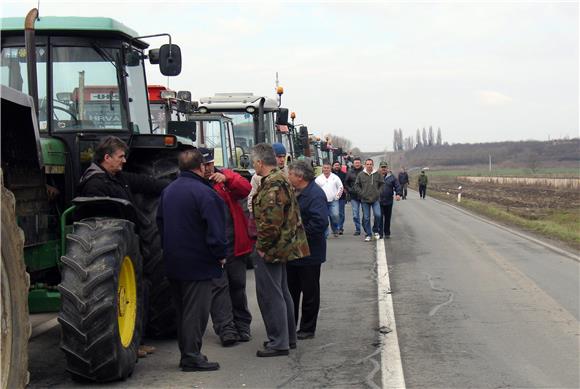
x: 229, y: 306
x: 192, y: 300
x: 422, y: 190
x: 386, y: 212
x: 305, y: 280
x: 405, y: 190
x: 275, y: 304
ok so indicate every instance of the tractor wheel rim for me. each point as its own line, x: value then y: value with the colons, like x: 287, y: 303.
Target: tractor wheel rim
x: 127, y: 301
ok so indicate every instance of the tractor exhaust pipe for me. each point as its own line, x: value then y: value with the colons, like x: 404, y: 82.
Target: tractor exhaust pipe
x: 261, y: 136
x: 30, y: 44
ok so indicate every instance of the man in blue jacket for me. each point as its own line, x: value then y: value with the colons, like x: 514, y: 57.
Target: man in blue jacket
x: 304, y: 273
x: 191, y: 219
x: 390, y: 188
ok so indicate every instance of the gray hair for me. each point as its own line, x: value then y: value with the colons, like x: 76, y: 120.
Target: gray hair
x: 265, y: 153
x: 302, y: 169
x: 190, y: 160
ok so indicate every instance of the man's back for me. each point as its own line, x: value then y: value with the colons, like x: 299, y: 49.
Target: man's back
x: 191, y: 217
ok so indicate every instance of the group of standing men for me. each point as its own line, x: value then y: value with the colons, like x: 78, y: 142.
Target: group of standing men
x: 207, y: 236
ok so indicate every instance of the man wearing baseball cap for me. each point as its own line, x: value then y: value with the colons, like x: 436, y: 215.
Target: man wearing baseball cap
x: 229, y: 308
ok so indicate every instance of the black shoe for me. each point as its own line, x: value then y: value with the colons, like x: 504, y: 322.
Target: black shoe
x: 340, y: 232
x: 304, y: 335
x: 356, y: 233
x: 244, y: 337
x: 200, y: 366
x: 229, y: 339
x: 270, y: 352
x: 292, y: 345
x: 388, y: 236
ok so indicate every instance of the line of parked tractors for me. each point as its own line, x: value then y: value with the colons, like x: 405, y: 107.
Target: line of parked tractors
x: 66, y: 83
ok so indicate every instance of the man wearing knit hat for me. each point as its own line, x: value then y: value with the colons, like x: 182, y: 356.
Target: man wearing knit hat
x: 280, y: 152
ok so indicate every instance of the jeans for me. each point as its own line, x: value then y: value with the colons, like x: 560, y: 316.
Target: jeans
x: 376, y: 208
x: 341, y: 205
x: 333, y: 215
x: 355, y: 204
x: 422, y: 191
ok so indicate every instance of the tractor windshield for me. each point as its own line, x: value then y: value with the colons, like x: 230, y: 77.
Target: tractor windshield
x: 13, y: 74
x: 86, y: 89
x: 244, y: 125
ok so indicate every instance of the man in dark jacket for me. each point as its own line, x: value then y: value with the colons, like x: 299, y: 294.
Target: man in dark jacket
x: 368, y: 186
x: 390, y: 187
x: 422, y: 181
x: 191, y: 218
x: 105, y: 178
x: 229, y: 309
x: 404, y: 182
x: 304, y: 273
x: 337, y: 169
x: 349, y: 181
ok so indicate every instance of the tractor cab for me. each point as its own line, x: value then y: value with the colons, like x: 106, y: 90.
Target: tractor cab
x: 256, y: 119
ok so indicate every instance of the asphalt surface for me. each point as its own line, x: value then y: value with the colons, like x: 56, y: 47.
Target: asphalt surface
x: 475, y: 307
x: 344, y: 353
x: 479, y: 307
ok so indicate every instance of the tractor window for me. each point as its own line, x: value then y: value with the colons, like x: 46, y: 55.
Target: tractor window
x: 212, y: 135
x: 243, y: 130
x: 138, y: 101
x: 269, y: 128
x: 14, y: 74
x: 159, y: 117
x: 86, y: 89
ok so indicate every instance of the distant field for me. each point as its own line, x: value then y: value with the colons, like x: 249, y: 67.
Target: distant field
x: 511, y: 172
x: 552, y: 212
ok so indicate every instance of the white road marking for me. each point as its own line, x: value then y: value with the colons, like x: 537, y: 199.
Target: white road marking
x: 391, y: 364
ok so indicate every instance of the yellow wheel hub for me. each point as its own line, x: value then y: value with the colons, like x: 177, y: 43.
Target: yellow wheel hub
x: 127, y: 301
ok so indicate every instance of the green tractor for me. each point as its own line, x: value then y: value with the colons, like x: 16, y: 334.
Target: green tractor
x: 66, y: 83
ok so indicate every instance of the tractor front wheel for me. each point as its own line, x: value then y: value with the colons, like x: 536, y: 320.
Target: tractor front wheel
x: 14, y: 303
x: 102, y: 299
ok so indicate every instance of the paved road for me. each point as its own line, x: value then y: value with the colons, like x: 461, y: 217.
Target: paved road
x: 479, y: 307
x: 343, y: 354
x: 475, y: 307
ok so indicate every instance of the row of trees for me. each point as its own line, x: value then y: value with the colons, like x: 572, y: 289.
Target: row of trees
x: 423, y: 139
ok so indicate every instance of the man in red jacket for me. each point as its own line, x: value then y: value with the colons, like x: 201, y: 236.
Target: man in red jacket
x: 229, y: 311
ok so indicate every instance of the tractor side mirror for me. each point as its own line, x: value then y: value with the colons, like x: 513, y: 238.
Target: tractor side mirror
x: 282, y: 117
x: 170, y: 60
x: 132, y: 58
x: 184, y: 95
x: 184, y: 129
x: 154, y: 56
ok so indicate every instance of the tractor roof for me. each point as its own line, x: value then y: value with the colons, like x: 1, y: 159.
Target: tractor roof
x: 72, y: 24
x: 236, y: 101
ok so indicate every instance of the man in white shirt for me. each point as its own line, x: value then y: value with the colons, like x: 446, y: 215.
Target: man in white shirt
x: 332, y: 187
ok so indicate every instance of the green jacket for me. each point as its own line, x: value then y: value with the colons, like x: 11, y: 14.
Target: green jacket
x: 422, y: 180
x: 368, y: 186
x: 281, y: 235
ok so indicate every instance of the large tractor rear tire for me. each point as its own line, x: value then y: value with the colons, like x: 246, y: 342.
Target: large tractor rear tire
x: 161, y: 316
x: 14, y: 304
x: 102, y: 299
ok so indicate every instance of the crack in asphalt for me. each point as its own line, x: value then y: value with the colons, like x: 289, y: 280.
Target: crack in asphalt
x: 436, y: 308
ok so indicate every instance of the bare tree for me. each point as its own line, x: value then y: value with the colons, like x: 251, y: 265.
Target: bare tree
x: 355, y: 151
x: 439, y: 141
x: 425, y: 142
x: 395, y: 140
x: 339, y: 141
x: 430, y: 136
x: 419, y: 144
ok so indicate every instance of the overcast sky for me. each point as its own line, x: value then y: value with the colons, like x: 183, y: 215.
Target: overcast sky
x: 481, y: 71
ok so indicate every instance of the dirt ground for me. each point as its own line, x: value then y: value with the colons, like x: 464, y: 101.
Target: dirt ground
x: 530, y: 202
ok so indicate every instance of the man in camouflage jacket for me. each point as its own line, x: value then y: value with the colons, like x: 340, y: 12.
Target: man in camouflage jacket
x: 281, y: 238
